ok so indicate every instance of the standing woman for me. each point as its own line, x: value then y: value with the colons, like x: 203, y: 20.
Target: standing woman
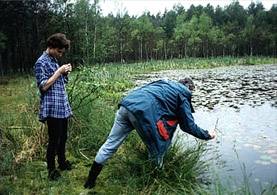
x: 54, y: 106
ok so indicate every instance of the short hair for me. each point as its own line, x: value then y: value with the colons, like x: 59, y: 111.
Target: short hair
x: 58, y: 40
x: 188, y: 83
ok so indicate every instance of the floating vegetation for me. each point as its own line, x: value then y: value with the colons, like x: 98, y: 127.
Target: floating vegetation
x: 228, y: 86
x: 262, y: 162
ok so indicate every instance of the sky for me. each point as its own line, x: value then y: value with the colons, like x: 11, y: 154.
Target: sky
x: 138, y: 7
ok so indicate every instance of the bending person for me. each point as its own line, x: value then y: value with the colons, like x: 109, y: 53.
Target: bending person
x: 154, y: 110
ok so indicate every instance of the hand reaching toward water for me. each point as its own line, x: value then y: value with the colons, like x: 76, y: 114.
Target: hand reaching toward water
x: 212, y: 133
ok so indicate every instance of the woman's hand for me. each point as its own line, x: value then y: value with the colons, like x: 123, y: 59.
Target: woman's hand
x: 65, y: 69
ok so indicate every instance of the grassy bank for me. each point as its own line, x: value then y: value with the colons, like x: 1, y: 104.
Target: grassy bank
x: 94, y: 92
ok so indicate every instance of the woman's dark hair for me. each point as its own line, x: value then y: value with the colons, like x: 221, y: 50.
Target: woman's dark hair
x: 58, y: 40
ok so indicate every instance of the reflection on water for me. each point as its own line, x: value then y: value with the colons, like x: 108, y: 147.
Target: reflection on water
x: 246, y: 137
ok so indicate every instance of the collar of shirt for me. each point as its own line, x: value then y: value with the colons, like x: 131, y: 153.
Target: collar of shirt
x: 50, y: 57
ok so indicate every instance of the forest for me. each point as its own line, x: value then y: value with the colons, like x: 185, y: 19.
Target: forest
x: 96, y: 39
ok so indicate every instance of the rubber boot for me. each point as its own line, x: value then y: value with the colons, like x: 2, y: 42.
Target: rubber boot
x: 66, y: 165
x: 93, y: 173
x: 53, y: 175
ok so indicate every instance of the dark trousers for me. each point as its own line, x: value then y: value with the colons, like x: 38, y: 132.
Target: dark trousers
x: 57, y: 136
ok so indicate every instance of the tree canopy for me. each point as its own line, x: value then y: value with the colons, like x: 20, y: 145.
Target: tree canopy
x: 196, y: 32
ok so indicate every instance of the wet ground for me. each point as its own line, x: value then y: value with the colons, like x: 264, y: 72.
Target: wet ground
x: 242, y: 100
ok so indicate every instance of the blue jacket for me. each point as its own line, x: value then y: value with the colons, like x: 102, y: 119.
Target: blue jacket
x: 159, y: 107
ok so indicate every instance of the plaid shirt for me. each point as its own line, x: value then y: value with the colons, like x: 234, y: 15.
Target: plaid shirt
x: 53, y: 102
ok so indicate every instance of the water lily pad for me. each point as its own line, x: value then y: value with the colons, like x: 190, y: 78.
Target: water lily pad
x: 273, y: 161
x: 256, y: 146
x: 247, y: 145
x: 265, y: 157
x: 261, y: 162
x: 271, y: 151
x: 257, y: 179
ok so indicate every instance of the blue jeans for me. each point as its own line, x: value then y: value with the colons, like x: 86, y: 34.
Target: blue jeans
x: 124, y: 123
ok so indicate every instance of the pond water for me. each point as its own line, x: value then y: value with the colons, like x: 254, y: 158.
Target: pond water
x: 242, y: 102
x: 246, y: 144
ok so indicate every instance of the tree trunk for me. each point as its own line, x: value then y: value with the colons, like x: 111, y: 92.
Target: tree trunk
x: 203, y: 49
x: 1, y: 66
x: 207, y: 50
x: 86, y: 39
x: 94, y: 42
x: 165, y: 52
x: 146, y: 52
x: 140, y: 49
x: 251, y: 48
x: 185, y: 50
x: 121, y: 51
